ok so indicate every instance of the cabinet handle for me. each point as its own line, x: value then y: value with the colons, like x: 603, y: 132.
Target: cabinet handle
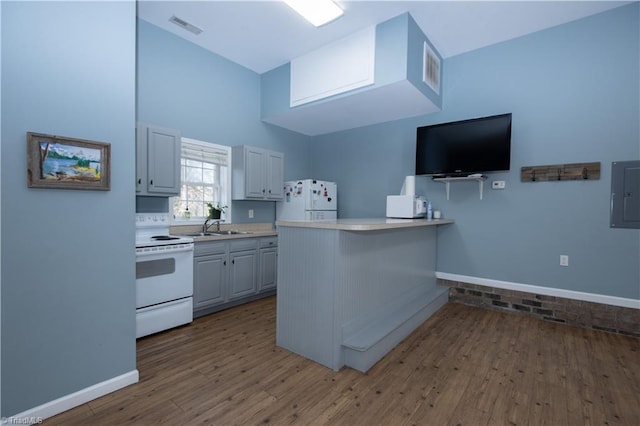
x: 233, y: 261
x: 139, y: 181
x: 224, y: 263
x: 269, y: 191
x: 151, y: 181
x: 263, y: 191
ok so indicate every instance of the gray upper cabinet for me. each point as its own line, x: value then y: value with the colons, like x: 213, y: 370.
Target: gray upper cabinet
x: 258, y: 174
x: 274, y: 175
x: 157, y: 161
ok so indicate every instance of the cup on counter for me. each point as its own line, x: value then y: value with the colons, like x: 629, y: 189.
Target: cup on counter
x: 437, y: 214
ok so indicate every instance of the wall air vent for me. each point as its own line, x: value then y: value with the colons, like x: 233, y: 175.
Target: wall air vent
x: 431, y: 70
x: 185, y: 25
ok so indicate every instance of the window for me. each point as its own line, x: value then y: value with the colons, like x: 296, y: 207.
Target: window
x: 206, y: 178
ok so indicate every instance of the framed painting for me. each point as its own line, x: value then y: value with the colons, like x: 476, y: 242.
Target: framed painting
x: 67, y: 163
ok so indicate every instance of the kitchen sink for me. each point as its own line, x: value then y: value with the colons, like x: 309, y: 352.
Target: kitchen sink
x: 231, y: 232
x: 215, y: 233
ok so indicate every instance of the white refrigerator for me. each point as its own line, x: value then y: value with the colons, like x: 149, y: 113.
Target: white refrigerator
x: 308, y: 199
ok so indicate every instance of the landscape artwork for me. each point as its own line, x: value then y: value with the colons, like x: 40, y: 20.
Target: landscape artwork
x: 67, y: 163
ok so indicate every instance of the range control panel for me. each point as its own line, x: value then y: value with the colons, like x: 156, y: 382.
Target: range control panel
x: 145, y: 220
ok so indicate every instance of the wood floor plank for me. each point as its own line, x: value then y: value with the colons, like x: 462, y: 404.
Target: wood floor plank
x: 463, y: 366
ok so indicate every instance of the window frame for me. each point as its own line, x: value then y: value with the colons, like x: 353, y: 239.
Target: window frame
x: 227, y: 202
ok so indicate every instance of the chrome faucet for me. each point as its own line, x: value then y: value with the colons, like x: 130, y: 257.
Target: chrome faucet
x: 206, y: 225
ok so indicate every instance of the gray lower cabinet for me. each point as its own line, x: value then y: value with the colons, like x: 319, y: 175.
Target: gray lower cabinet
x: 209, y: 274
x: 242, y: 280
x: 268, y: 264
x: 209, y: 279
x: 228, y: 273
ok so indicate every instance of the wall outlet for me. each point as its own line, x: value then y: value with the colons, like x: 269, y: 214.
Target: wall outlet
x: 498, y: 184
x: 564, y: 260
x: 250, y: 213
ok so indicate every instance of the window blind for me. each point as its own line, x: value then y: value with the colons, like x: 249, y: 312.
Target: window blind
x: 202, y: 152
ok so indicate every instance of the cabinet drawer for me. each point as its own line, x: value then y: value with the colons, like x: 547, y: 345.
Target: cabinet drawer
x: 269, y: 242
x: 204, y: 248
x: 243, y: 244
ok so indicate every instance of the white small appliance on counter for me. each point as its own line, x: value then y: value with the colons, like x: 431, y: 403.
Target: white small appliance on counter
x: 407, y: 205
x: 308, y: 199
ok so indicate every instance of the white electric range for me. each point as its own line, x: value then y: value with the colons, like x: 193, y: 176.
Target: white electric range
x: 164, y: 275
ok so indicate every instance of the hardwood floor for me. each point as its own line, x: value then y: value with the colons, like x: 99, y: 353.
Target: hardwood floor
x: 464, y: 366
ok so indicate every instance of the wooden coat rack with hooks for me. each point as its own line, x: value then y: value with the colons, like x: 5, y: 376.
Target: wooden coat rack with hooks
x: 560, y: 172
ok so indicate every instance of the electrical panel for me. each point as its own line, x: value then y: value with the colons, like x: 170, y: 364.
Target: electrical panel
x: 625, y: 194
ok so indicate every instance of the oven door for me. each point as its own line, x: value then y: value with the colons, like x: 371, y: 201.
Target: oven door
x: 163, y: 273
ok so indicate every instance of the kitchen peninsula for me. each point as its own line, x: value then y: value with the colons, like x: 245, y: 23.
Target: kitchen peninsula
x: 349, y: 290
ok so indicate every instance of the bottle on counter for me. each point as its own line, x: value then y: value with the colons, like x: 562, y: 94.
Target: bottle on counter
x: 429, y: 211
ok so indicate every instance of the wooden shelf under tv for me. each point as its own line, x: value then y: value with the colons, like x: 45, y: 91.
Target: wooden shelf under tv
x: 447, y: 181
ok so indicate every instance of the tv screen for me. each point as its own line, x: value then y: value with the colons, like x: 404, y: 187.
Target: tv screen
x: 464, y: 147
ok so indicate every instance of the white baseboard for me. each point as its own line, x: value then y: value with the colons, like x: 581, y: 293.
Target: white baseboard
x: 547, y: 291
x: 57, y: 406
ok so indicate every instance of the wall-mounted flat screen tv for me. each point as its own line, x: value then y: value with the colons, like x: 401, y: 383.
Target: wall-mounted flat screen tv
x: 464, y: 147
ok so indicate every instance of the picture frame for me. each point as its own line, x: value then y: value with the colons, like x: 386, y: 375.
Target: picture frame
x: 58, y: 162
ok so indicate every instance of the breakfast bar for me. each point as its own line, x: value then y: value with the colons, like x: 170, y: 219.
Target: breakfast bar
x: 349, y: 290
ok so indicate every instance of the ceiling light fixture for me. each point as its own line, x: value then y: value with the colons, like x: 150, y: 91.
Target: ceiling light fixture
x: 185, y: 25
x: 318, y: 12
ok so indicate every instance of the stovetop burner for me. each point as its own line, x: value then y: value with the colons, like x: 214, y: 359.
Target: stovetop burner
x: 152, y: 230
x: 164, y: 238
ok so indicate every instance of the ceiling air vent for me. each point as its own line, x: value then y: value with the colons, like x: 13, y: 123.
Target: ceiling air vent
x: 185, y: 25
x: 431, y: 70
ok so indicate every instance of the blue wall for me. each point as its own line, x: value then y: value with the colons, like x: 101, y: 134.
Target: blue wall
x: 210, y: 98
x: 573, y: 91
x: 68, y: 258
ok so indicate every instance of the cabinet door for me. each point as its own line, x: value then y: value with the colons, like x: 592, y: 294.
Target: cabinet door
x: 163, y: 162
x: 268, y: 268
x: 209, y: 280
x: 258, y: 174
x: 242, y: 278
x: 141, y: 158
x: 274, y: 175
x: 334, y: 68
x: 254, y: 173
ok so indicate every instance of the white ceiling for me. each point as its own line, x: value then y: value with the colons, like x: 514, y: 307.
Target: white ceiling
x: 262, y: 35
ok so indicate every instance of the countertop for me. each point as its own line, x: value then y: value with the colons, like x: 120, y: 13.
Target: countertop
x: 255, y: 230
x: 365, y: 224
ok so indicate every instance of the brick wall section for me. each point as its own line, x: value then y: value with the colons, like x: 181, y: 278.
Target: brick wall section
x: 614, y: 319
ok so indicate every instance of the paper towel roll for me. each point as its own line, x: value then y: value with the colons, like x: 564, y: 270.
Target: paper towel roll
x: 409, y: 186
